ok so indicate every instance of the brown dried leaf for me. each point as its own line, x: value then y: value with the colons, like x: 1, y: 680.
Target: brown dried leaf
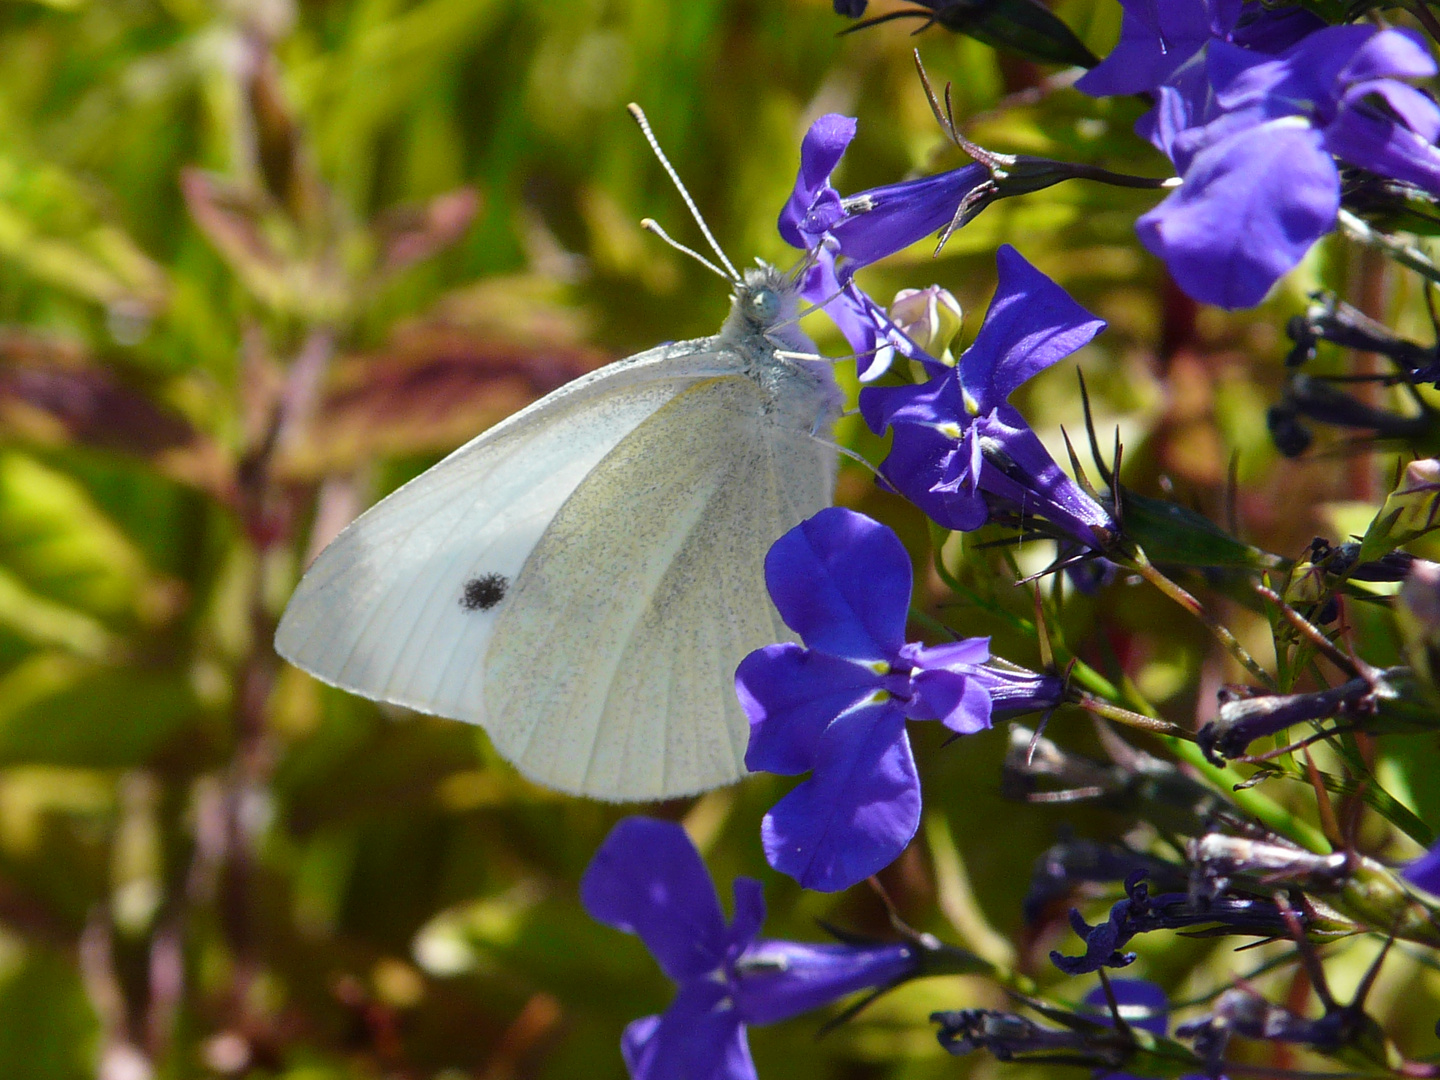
x: 432, y: 389
x: 51, y: 392
x: 264, y: 247
x: 408, y: 234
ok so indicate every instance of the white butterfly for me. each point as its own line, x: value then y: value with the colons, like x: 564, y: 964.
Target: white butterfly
x: 583, y: 578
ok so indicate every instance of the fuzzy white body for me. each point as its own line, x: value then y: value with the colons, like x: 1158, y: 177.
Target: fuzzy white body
x: 624, y: 518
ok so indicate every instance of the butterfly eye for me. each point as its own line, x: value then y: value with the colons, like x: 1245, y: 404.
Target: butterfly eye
x: 765, y: 303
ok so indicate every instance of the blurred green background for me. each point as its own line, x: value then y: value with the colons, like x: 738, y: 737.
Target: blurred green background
x: 263, y: 260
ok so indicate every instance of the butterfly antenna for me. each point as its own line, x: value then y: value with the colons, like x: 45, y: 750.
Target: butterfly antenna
x: 639, y: 115
x: 653, y: 226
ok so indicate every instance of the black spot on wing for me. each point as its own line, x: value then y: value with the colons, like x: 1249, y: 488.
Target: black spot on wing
x: 483, y: 593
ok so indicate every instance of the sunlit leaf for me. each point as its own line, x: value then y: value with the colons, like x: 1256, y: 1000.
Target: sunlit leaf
x: 48, y: 226
x: 57, y: 711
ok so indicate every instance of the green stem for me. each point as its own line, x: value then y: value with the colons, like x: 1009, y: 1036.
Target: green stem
x: 1133, y: 719
x: 1261, y: 807
x: 1146, y: 569
x: 1129, y: 701
x: 1360, y: 230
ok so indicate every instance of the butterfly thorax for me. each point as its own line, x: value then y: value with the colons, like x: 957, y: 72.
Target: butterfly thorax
x: 763, y: 328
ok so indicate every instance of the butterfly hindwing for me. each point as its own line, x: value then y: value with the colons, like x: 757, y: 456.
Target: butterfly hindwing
x: 612, y: 673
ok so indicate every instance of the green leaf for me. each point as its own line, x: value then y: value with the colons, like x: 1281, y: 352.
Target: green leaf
x: 55, y: 710
x: 58, y: 544
x: 44, y: 622
x: 1171, y: 535
x: 48, y: 227
x: 48, y: 1030
x: 1023, y: 26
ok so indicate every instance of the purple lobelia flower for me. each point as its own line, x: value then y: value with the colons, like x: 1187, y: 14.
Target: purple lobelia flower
x: 961, y: 451
x: 844, y: 234
x: 1425, y: 871
x: 837, y: 708
x: 1143, y: 1004
x: 648, y: 879
x: 1140, y: 913
x: 1157, y: 37
x: 1256, y: 137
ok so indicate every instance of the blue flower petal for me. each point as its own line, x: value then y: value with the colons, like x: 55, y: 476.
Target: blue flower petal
x: 1390, y: 54
x: 1032, y: 323
x: 1425, y: 871
x: 881, y: 221
x: 1031, y: 480
x: 1273, y: 30
x: 934, y: 402
x: 776, y: 980
x: 699, y: 1037
x: 749, y: 914
x: 1307, y: 72
x: 791, y: 695
x: 918, y: 465
x: 820, y: 152
x: 1249, y: 209
x: 842, y: 582
x: 1379, y: 144
x: 947, y: 686
x: 959, y: 702
x: 858, y: 317
x: 1415, y: 109
x: 648, y: 879
x: 1155, y: 39
x: 1143, y: 1004
x: 857, y: 811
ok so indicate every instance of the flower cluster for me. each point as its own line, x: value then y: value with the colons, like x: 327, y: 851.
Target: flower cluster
x: 1258, y: 109
x: 1267, y: 114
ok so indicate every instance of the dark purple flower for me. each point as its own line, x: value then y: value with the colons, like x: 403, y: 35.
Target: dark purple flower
x: 647, y: 879
x: 960, y: 451
x: 1141, y: 913
x: 1072, y: 862
x: 837, y: 708
x: 1256, y: 138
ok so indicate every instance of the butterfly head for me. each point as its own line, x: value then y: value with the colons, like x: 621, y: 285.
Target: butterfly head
x: 766, y: 304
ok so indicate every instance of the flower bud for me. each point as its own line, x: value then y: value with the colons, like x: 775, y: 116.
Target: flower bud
x: 1413, y: 508
x: 929, y: 317
x: 1417, y: 612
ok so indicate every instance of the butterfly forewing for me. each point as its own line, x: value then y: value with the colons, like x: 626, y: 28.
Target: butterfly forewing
x: 611, y: 674
x: 402, y: 604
